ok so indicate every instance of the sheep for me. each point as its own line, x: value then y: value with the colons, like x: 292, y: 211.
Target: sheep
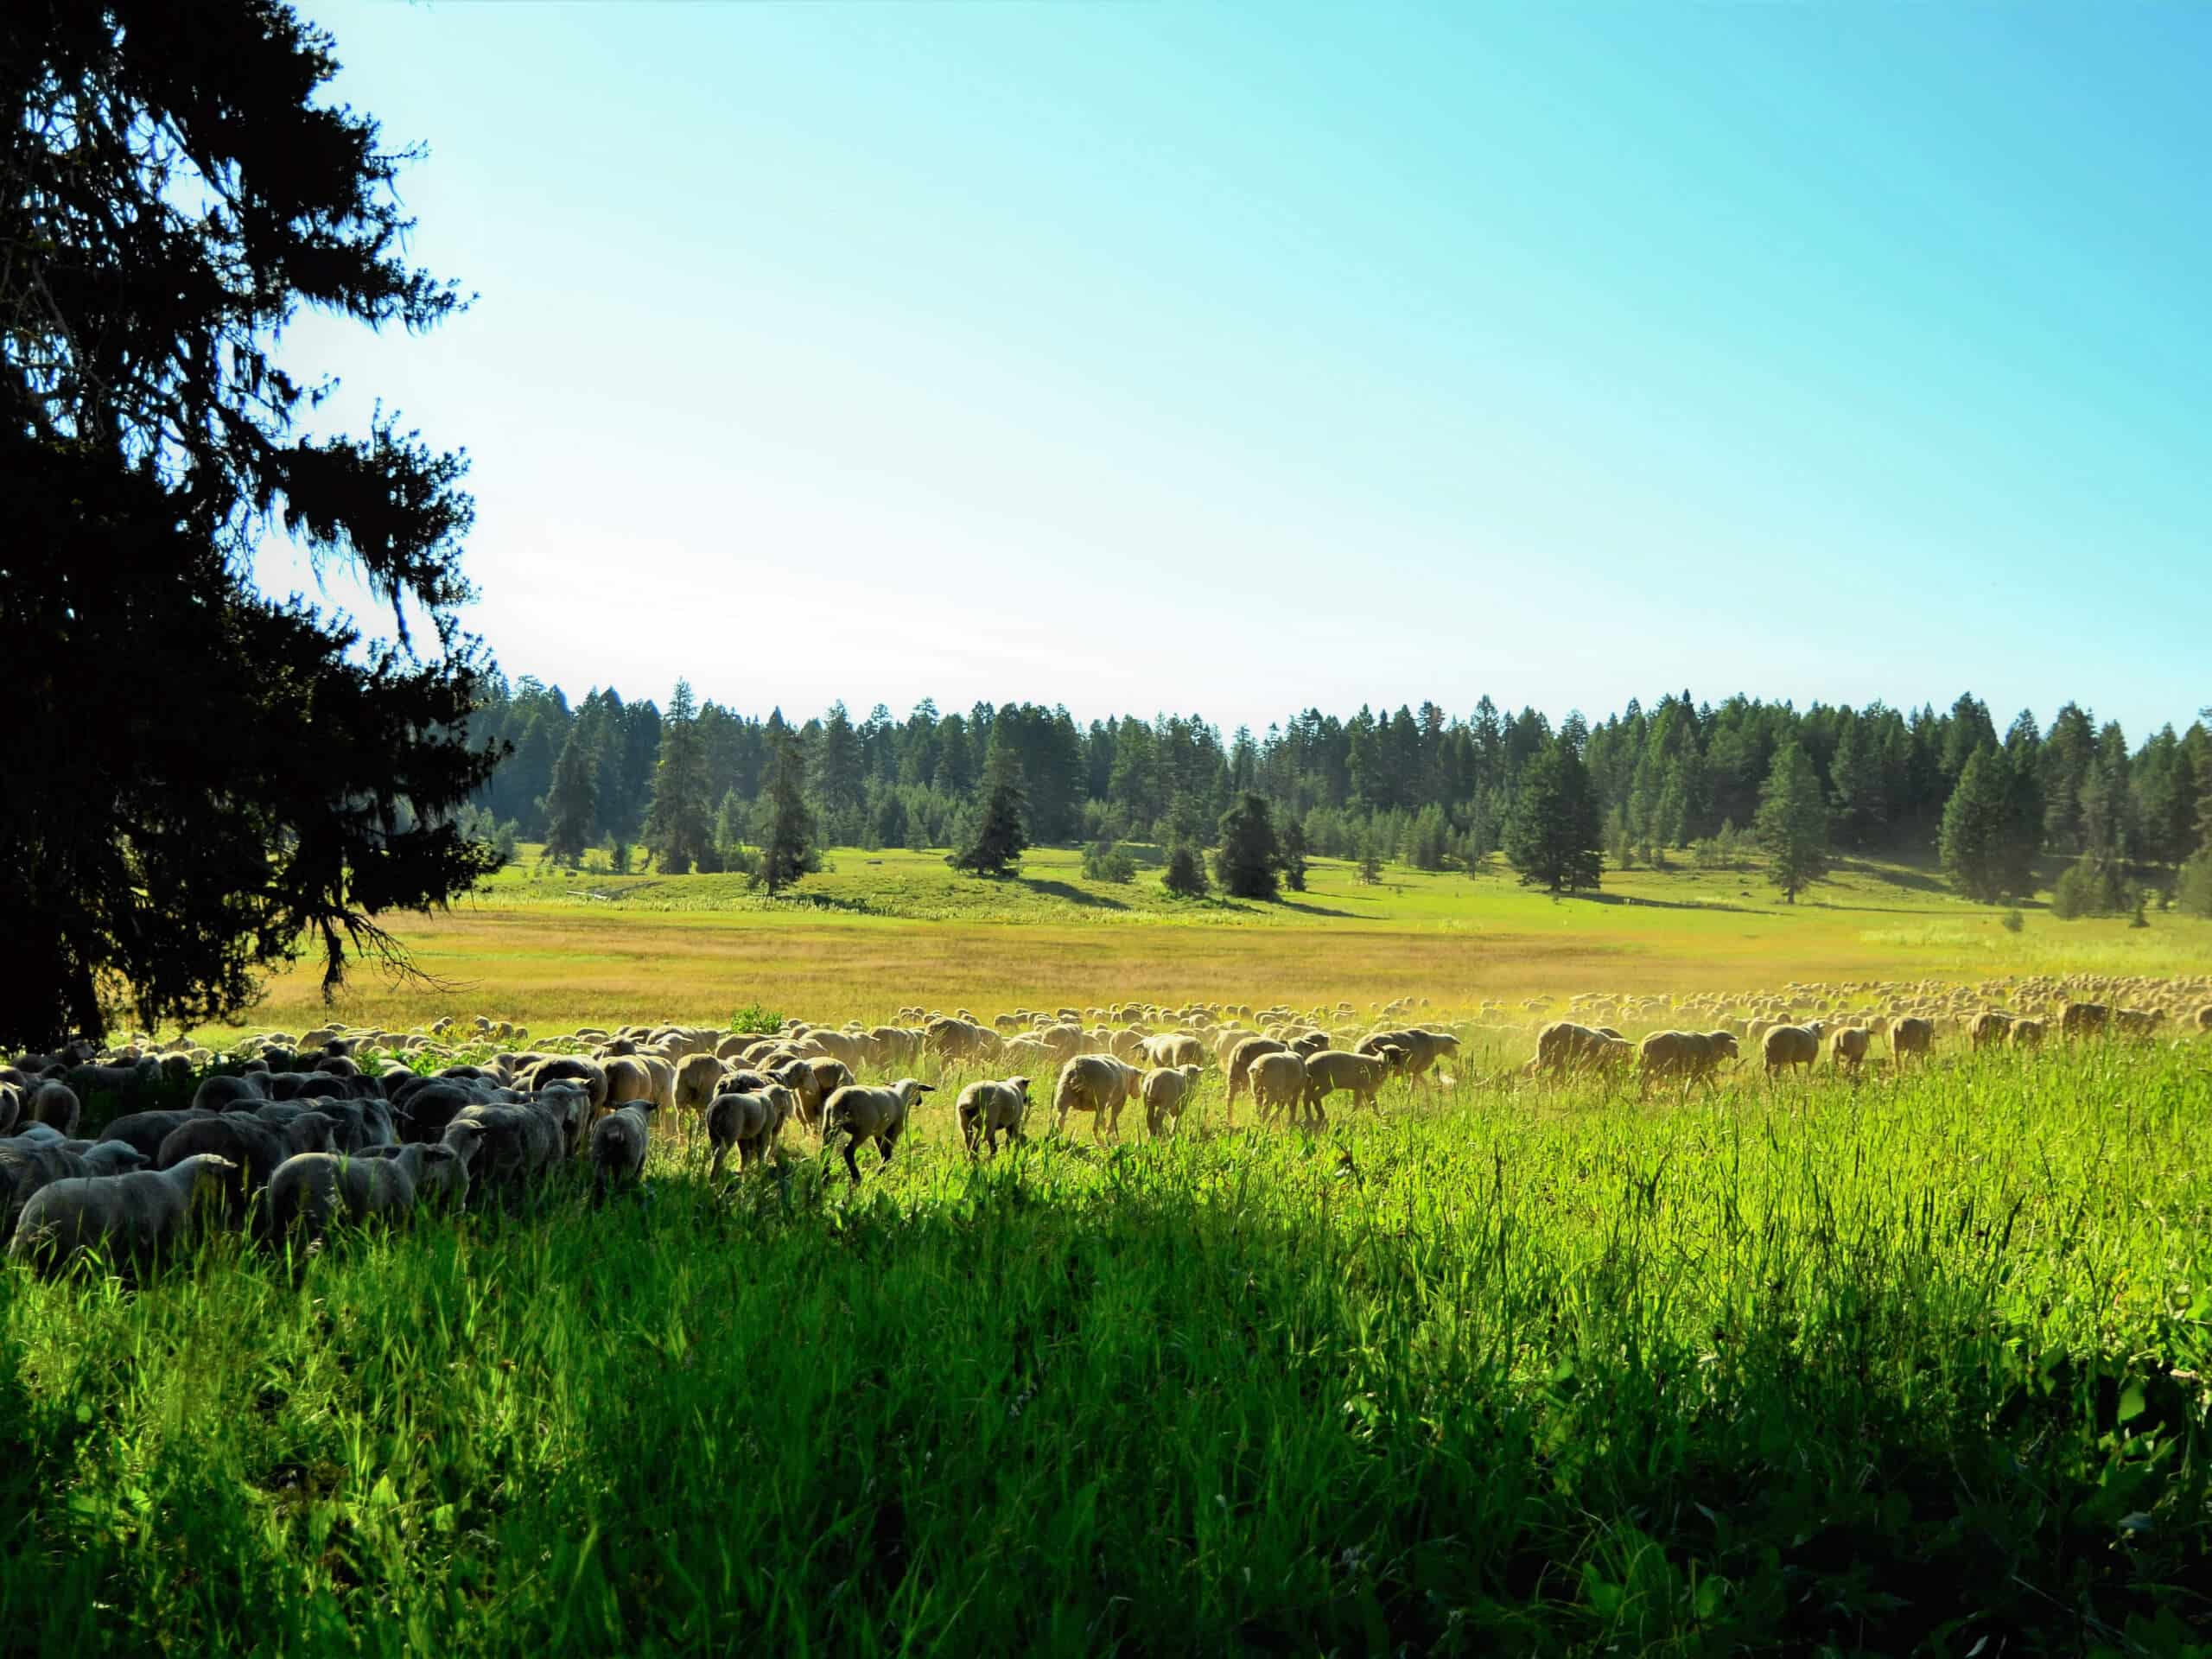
x: 1278, y: 1081
x: 1239, y: 1065
x: 1099, y: 1084
x: 107, y: 1157
x: 2204, y: 1018
x: 216, y: 1094
x: 1166, y: 1090
x: 2138, y: 1022
x: 987, y: 1109
x: 748, y: 1121
x: 1173, y: 1049
x: 1564, y: 1047
x: 570, y: 1068
x: 2084, y: 1020
x: 312, y: 1189
x: 54, y: 1103
x: 628, y: 1078
x: 698, y: 1080
x: 1692, y: 1056
x: 1790, y: 1046
x: 136, y: 1217
x: 1990, y: 1026
x: 518, y: 1141
x: 1363, y: 1074
x: 1910, y: 1035
x: 249, y: 1147
x: 619, y: 1143
x: 1423, y: 1048
x: 2028, y: 1033
x: 1848, y: 1047
x: 28, y: 1165
x: 877, y: 1115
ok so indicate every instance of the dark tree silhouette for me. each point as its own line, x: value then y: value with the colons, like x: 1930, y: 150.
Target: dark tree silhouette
x: 1552, y: 837
x: 1293, y: 854
x: 205, y: 779
x: 1001, y: 835
x: 1246, y: 861
x: 786, y: 826
x: 1186, y: 872
x: 1791, y: 826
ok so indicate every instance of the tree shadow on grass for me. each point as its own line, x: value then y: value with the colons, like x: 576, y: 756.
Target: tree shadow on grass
x: 1631, y: 900
x: 1074, y: 895
x: 1312, y: 910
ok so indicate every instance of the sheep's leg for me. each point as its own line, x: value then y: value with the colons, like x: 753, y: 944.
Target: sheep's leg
x: 722, y: 1157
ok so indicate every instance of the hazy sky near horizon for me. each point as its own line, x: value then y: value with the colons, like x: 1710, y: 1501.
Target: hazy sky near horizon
x: 1232, y: 359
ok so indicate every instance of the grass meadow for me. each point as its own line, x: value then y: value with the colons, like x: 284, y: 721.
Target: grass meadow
x: 553, y: 949
x: 1915, y: 1364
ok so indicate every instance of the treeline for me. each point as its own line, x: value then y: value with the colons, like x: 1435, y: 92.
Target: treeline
x: 1418, y: 785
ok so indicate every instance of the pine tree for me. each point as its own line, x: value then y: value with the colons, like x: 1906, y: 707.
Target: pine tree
x: 1186, y: 872
x: 1553, y: 837
x: 1293, y: 854
x: 1792, y: 823
x: 680, y: 825
x: 786, y: 826
x: 1246, y: 861
x: 1976, y: 825
x: 1002, y: 835
x: 572, y: 805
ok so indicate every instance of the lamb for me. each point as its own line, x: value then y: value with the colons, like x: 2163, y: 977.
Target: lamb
x: 619, y: 1143
x: 1363, y: 1074
x: 877, y: 1115
x: 1167, y: 1092
x: 1278, y: 1080
x: 987, y: 1109
x: 749, y: 1121
x: 135, y: 1218
x: 1848, y: 1047
x: 1791, y: 1045
x: 1910, y: 1034
x: 313, y: 1189
x: 1099, y: 1084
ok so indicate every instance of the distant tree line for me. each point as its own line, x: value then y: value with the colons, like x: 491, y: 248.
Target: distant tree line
x: 1679, y: 780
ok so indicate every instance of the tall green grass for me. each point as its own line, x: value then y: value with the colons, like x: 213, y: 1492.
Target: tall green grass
x: 1908, y: 1365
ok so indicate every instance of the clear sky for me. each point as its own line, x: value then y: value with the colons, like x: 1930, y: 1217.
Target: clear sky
x: 1229, y: 358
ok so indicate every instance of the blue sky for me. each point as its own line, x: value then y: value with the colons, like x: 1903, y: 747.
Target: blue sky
x: 1232, y: 359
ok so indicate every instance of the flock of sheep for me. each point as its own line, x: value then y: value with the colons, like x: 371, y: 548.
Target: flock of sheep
x: 303, y: 1134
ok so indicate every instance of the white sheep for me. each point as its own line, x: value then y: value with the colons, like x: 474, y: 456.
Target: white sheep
x: 877, y: 1115
x: 750, y: 1121
x: 312, y: 1189
x: 134, y: 1217
x: 987, y: 1109
x: 1167, y: 1091
x: 619, y: 1143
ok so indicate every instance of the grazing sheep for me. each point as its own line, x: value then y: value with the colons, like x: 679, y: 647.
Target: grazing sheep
x: 107, y: 1157
x: 134, y: 1218
x: 1363, y: 1075
x: 1278, y: 1080
x: 1172, y: 1049
x: 1564, y: 1048
x: 2138, y: 1022
x: 698, y: 1080
x: 619, y: 1143
x: 1990, y: 1026
x: 1791, y: 1045
x: 1690, y: 1056
x: 517, y: 1143
x: 1167, y: 1092
x: 1910, y: 1035
x: 986, y: 1109
x: 315, y: 1188
x: 54, y: 1104
x: 1239, y: 1065
x: 878, y: 1114
x: 1849, y: 1047
x: 249, y: 1147
x: 2204, y: 1018
x: 1423, y: 1048
x: 219, y: 1093
x: 1099, y: 1084
x: 2085, y: 1020
x: 2027, y: 1033
x: 26, y: 1166
x: 748, y: 1121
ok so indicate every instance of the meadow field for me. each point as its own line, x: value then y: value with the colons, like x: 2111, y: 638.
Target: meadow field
x: 1913, y: 1366
x: 552, y: 948
x: 1858, y: 1365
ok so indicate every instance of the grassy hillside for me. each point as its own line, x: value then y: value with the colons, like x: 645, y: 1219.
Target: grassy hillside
x: 878, y: 930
